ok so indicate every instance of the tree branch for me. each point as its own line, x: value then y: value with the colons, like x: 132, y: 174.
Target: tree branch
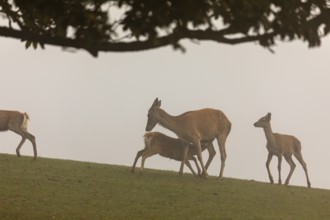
x: 216, y: 36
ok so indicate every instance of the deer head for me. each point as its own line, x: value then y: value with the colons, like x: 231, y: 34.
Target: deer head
x: 153, y: 115
x: 264, y: 121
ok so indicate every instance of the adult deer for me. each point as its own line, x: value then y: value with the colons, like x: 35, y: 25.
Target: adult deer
x: 193, y: 127
x: 17, y: 122
x: 158, y: 143
x: 281, y: 145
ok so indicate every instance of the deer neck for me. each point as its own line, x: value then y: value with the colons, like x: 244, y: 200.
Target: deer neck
x: 168, y: 121
x: 269, y: 135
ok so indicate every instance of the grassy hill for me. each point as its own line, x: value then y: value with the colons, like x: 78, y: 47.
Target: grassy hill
x: 62, y: 189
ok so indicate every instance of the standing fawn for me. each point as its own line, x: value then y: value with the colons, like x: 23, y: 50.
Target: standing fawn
x: 17, y: 122
x: 193, y: 127
x: 158, y: 143
x: 281, y: 145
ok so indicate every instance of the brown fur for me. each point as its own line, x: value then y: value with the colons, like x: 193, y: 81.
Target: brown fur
x: 281, y: 145
x: 158, y: 143
x: 194, y: 127
x: 17, y: 122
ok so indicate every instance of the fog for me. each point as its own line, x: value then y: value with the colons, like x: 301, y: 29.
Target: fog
x: 95, y: 109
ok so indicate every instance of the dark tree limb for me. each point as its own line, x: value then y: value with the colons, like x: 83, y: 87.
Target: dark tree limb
x: 216, y: 36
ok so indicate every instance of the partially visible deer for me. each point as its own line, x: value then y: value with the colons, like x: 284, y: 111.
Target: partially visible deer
x: 281, y: 145
x: 193, y: 127
x: 158, y: 143
x: 17, y: 122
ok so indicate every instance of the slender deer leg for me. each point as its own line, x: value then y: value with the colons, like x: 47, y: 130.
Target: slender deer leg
x: 142, y: 164
x: 184, y: 158
x: 279, y: 169
x: 145, y: 155
x: 19, y: 146
x: 196, y: 163
x: 189, y: 166
x: 292, y: 167
x: 33, y: 141
x: 269, y: 158
x: 197, y: 145
x: 221, y: 142
x: 25, y: 135
x: 303, y: 164
x: 138, y: 155
x: 212, y: 153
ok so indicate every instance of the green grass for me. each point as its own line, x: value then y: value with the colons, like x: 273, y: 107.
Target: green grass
x: 62, y: 189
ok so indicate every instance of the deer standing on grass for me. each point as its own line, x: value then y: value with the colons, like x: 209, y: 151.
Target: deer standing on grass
x: 158, y: 143
x: 281, y: 145
x: 17, y: 122
x: 193, y: 127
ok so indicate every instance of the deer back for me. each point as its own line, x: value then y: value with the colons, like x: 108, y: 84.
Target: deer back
x: 287, y: 144
x: 206, y: 123
x: 164, y: 145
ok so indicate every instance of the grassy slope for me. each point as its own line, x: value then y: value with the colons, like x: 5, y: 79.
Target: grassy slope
x: 60, y: 189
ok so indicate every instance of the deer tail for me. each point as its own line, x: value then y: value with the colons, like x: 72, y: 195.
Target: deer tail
x: 25, y: 122
x: 147, y: 139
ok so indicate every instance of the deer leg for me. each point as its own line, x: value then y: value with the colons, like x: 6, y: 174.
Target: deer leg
x: 138, y: 155
x: 223, y: 155
x: 145, y: 155
x: 197, y: 145
x: 279, y: 169
x: 212, y: 153
x: 25, y: 135
x: 292, y: 167
x: 142, y: 164
x: 198, y: 168
x: 19, y: 146
x: 189, y: 166
x: 196, y: 163
x: 303, y: 164
x: 184, y: 158
x: 269, y: 158
x: 32, y: 139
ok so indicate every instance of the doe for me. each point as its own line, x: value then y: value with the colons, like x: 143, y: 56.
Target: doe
x: 17, y: 122
x: 281, y: 145
x: 194, y: 127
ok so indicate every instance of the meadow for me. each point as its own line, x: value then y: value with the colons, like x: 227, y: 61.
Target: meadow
x: 63, y: 189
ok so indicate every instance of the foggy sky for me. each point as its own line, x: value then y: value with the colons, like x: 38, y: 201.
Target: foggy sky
x: 88, y: 109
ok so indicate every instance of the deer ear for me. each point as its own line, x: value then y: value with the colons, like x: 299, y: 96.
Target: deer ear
x: 155, y: 102
x: 159, y: 103
x: 269, y: 116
